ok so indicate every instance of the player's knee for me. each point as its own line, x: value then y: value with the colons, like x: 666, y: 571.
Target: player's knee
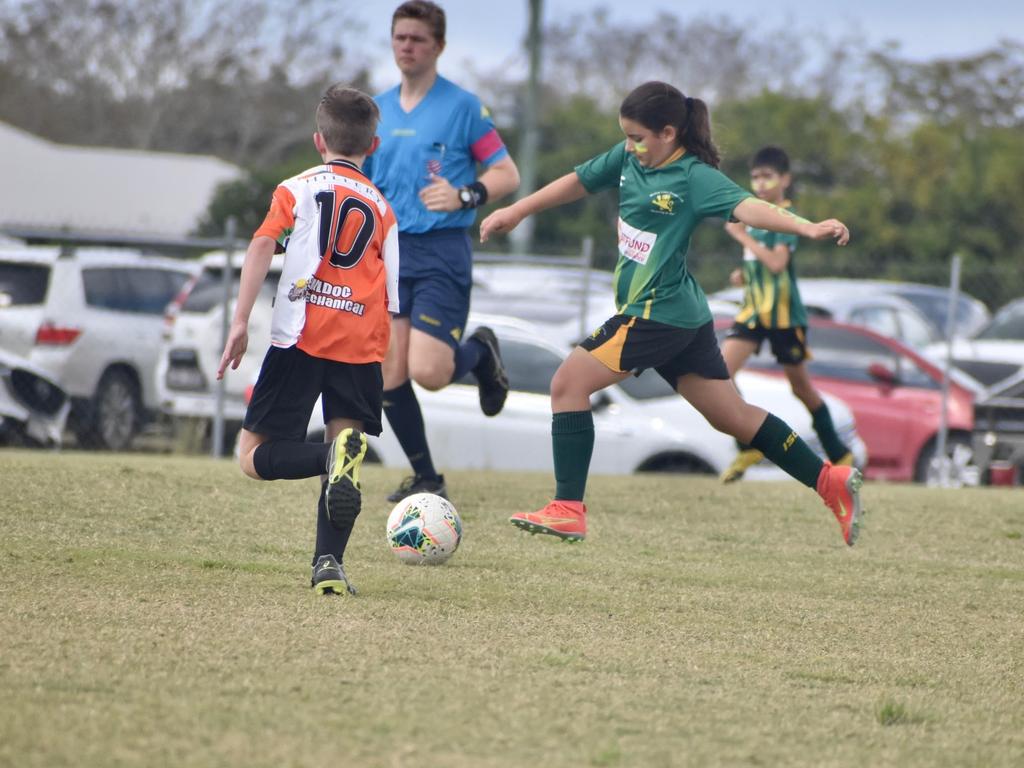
x: 432, y: 376
x: 564, y: 386
x: 245, y: 461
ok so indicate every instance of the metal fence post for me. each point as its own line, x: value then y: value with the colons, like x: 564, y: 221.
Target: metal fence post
x: 218, y: 411
x: 940, y: 471
x: 587, y: 256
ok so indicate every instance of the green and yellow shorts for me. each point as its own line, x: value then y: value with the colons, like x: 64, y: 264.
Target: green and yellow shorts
x: 789, y: 345
x: 627, y: 344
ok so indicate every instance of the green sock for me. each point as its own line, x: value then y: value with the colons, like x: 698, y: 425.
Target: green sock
x: 834, y: 447
x: 777, y: 440
x: 572, y: 443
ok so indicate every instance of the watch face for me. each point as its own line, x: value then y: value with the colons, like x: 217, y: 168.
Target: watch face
x: 465, y: 195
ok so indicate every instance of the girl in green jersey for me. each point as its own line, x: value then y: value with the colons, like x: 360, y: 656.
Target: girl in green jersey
x: 666, y: 173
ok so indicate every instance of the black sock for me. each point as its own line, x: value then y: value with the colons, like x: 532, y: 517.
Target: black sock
x: 777, y: 440
x: 406, y: 419
x: 290, y: 459
x: 329, y: 540
x: 834, y: 447
x: 467, y: 356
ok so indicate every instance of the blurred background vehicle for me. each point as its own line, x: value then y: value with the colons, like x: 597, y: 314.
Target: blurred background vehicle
x: 92, y: 321
x: 894, y: 392
x: 192, y: 343
x: 994, y: 353
x: 872, y: 304
x: 640, y: 423
x: 33, y: 409
x: 999, y: 432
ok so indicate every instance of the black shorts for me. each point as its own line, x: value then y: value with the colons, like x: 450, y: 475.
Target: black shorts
x: 626, y: 343
x: 789, y: 345
x: 289, y: 383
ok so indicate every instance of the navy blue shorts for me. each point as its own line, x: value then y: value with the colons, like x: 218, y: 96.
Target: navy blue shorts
x: 435, y: 277
x: 289, y: 383
x: 625, y: 343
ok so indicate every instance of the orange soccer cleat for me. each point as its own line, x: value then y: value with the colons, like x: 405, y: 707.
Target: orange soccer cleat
x: 565, y: 519
x: 839, y: 487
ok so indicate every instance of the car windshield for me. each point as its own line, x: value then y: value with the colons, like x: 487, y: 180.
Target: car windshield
x: 935, y: 306
x: 23, y: 283
x: 1007, y: 325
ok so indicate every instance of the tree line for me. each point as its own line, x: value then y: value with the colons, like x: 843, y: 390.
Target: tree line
x: 922, y: 159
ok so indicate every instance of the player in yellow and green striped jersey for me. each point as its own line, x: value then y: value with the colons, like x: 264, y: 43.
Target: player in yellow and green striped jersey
x: 772, y: 309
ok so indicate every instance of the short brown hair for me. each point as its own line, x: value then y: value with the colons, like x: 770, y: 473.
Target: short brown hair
x: 429, y: 13
x: 347, y: 120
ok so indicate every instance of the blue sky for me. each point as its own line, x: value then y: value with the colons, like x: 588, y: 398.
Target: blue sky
x: 491, y: 33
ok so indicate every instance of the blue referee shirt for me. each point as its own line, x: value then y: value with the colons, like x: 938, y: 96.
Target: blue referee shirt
x: 446, y: 134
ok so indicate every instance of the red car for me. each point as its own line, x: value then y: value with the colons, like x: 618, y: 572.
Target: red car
x: 895, y: 395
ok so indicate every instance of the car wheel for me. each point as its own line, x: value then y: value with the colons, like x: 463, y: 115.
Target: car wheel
x: 116, y: 408
x: 955, y: 440
x: 677, y: 463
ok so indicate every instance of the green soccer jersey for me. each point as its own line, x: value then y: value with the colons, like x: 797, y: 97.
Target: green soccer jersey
x: 658, y: 210
x: 771, y: 300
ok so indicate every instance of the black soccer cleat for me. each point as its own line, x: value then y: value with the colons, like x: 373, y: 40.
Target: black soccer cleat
x: 490, y: 373
x: 419, y: 484
x: 329, y: 577
x: 344, y: 497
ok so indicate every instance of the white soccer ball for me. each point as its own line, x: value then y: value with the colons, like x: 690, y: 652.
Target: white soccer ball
x: 424, y: 529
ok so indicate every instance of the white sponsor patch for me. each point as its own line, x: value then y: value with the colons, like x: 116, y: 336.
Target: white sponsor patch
x: 635, y: 244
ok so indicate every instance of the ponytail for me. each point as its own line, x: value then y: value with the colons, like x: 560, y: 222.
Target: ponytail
x: 656, y: 105
x: 697, y: 133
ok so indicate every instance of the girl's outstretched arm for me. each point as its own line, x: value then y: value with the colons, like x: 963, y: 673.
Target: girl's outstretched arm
x: 762, y: 215
x: 567, y: 189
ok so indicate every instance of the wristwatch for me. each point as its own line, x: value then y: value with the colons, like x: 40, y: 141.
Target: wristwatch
x: 466, y: 197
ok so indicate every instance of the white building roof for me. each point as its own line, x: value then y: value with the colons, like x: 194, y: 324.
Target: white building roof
x: 48, y: 187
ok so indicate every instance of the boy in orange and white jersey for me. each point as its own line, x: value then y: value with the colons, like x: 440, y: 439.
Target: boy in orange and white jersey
x: 330, y: 326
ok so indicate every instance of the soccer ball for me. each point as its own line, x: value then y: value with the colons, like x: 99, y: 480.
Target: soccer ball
x: 424, y: 529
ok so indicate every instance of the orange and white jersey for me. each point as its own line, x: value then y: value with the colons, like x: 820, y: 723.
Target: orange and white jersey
x: 340, y: 275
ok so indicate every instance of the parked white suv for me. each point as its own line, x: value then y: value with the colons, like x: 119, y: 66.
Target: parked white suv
x: 192, y: 343
x: 91, y: 318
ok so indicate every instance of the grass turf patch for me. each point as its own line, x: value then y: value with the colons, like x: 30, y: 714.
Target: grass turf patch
x: 157, y: 611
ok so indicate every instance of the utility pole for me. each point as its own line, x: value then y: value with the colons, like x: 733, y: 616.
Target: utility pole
x: 522, y: 236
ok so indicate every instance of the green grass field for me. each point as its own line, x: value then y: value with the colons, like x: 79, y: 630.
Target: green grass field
x: 156, y: 612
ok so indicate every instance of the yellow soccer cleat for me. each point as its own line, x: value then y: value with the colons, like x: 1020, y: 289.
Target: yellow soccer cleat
x: 744, y: 460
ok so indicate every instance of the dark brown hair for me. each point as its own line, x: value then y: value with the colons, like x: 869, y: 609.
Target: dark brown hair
x: 347, y: 120
x: 429, y: 13
x: 655, y: 105
x: 771, y: 157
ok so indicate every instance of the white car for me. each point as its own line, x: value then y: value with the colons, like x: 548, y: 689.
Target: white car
x: 996, y: 352
x: 641, y: 425
x: 91, y: 319
x: 186, y: 369
x: 33, y: 409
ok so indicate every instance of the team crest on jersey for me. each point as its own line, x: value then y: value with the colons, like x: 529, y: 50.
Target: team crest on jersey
x: 299, y: 290
x: 665, y: 202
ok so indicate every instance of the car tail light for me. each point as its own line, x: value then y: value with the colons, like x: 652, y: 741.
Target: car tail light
x: 175, y: 305
x: 56, y: 335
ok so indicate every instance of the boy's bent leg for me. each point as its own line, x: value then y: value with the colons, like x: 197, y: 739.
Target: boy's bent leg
x: 343, y: 493
x: 804, y: 389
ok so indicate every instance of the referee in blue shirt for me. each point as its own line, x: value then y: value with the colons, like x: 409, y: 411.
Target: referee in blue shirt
x: 433, y: 136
